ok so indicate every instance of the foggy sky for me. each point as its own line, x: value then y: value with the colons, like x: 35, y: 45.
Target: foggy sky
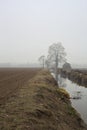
x: 29, y: 27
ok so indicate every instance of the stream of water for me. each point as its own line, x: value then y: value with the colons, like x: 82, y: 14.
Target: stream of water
x: 78, y: 96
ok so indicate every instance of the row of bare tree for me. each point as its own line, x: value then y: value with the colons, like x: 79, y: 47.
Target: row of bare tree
x: 56, y: 55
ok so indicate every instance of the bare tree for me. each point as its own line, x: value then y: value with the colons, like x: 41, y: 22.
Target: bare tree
x: 56, y: 56
x: 47, y: 62
x: 42, y: 61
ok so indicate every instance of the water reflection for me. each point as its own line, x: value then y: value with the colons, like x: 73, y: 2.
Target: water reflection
x: 61, y: 81
x: 78, y: 95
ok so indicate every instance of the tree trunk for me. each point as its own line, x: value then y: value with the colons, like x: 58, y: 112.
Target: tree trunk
x: 56, y: 68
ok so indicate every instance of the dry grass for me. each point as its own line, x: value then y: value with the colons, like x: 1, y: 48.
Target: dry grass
x: 78, y: 76
x: 40, y: 105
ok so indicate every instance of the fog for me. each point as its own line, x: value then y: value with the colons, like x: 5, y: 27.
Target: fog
x: 29, y: 27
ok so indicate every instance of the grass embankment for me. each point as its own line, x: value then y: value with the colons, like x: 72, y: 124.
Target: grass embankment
x: 78, y: 77
x: 40, y: 105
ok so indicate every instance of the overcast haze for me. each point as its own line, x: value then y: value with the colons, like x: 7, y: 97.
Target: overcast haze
x: 29, y: 27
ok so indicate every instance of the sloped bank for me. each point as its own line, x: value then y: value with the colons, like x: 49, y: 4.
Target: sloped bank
x: 40, y: 105
x: 76, y: 76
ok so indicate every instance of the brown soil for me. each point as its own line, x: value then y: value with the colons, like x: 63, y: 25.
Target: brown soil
x: 11, y: 79
x: 40, y: 105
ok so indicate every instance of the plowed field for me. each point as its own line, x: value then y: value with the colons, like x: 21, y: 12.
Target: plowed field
x: 11, y: 79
